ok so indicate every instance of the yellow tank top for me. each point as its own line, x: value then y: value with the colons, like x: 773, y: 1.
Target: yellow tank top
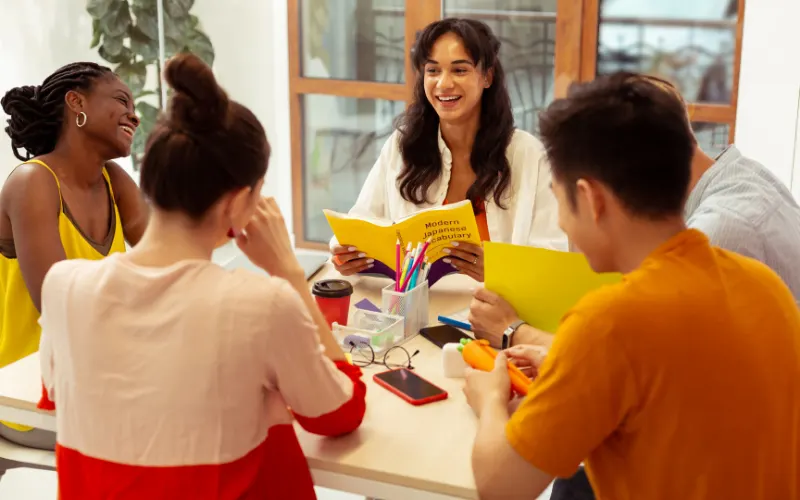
x: 19, y: 318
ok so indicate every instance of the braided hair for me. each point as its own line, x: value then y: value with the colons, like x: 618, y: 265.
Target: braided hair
x: 36, y: 112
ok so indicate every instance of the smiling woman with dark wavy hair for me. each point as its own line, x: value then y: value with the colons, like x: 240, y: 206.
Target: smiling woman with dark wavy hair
x: 457, y: 141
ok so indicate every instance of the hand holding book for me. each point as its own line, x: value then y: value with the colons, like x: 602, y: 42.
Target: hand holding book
x: 467, y: 258
x: 362, y: 239
x: 350, y: 260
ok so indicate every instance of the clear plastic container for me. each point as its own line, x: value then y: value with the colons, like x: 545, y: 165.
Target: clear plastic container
x: 380, y: 331
x: 412, y: 306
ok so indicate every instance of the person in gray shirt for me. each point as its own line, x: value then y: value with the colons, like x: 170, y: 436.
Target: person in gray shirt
x: 741, y: 206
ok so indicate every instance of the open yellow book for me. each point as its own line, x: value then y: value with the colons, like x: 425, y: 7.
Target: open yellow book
x: 378, y: 238
x: 541, y: 284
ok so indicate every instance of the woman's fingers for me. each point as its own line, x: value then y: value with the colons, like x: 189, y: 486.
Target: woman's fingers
x: 342, y: 259
x: 340, y: 249
x: 349, y: 260
x: 355, y: 266
x: 467, y: 257
x: 468, y: 247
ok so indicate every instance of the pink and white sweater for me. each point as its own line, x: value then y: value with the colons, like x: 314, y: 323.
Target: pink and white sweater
x: 183, y: 382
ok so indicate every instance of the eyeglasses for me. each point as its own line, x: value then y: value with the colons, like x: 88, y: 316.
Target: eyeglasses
x: 363, y: 355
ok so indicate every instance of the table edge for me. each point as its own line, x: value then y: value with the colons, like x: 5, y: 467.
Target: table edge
x: 391, y: 479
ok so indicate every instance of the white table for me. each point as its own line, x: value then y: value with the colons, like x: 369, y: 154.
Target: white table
x: 20, y: 390
x: 402, y: 451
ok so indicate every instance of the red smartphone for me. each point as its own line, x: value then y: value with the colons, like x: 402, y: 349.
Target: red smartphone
x: 410, y: 386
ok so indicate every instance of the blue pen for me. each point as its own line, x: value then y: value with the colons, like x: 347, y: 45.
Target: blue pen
x: 454, y: 322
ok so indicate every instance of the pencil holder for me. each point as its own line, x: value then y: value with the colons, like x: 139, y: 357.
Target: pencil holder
x: 412, y: 306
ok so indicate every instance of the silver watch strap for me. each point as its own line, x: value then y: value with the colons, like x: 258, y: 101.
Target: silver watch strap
x: 510, y: 331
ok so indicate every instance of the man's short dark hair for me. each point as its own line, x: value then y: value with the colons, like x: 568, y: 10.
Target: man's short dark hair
x: 625, y: 131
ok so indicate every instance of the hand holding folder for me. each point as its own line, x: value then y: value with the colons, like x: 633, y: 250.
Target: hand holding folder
x: 541, y: 285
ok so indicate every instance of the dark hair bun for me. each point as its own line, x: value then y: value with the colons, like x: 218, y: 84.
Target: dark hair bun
x: 21, y: 105
x: 25, y: 94
x: 199, y: 104
x: 26, y: 125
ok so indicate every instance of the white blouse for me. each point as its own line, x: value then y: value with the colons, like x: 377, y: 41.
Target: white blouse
x: 531, y: 214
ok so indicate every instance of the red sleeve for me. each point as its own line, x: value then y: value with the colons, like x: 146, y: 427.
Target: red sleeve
x: 44, y: 402
x: 347, y: 417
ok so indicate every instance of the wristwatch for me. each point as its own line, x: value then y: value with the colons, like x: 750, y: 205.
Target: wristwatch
x: 510, y: 331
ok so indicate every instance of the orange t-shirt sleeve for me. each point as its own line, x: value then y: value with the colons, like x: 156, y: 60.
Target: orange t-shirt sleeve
x: 581, y: 395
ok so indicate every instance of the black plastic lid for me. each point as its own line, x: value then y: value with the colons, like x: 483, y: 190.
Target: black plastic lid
x: 332, y: 289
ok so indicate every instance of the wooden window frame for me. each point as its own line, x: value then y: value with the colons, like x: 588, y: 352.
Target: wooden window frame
x: 699, y: 112
x: 300, y: 86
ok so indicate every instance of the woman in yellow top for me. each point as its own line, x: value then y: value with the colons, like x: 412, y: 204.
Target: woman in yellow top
x: 67, y: 200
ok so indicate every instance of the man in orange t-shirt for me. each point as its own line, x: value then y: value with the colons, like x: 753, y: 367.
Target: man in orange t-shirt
x: 683, y: 380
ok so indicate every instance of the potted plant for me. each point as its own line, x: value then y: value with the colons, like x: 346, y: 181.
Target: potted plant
x: 125, y: 33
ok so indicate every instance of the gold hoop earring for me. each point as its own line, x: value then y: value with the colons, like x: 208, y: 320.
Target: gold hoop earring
x: 78, y: 121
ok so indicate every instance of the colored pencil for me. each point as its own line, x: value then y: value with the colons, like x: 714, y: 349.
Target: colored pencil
x: 397, y: 266
x: 420, y: 257
x: 427, y: 270
x: 405, y: 265
x: 414, y: 277
x: 424, y: 249
x: 417, y: 262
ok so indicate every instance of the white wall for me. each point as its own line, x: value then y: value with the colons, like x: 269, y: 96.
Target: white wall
x: 796, y: 169
x: 769, y: 87
x: 252, y: 63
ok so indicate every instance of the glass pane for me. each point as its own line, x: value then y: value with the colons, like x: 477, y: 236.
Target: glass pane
x: 342, y: 139
x: 527, y: 31
x: 353, y: 39
x: 689, y: 43
x: 712, y: 137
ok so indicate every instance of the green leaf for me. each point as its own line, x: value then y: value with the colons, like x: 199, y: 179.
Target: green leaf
x: 172, y: 47
x: 134, y: 75
x: 194, y: 22
x: 146, y: 21
x: 147, y: 4
x: 148, y: 115
x: 124, y: 55
x: 144, y: 93
x: 200, y: 45
x: 117, y: 21
x: 174, y: 27
x: 143, y: 46
x: 99, y: 8
x: 177, y: 8
x: 112, y: 46
x: 97, y: 33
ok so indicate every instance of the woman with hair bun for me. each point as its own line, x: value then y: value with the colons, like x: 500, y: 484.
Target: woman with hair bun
x: 174, y: 377
x: 456, y: 142
x: 67, y: 200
